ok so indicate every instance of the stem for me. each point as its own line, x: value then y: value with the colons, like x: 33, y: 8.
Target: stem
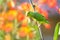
x: 36, y: 21
x: 4, y: 7
x: 40, y: 31
x: 32, y: 4
x: 14, y: 30
x: 27, y: 37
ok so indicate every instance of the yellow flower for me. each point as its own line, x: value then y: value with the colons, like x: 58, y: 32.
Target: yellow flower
x: 26, y: 7
x: 7, y: 37
x: 24, y: 31
x: 11, y: 14
x: 2, y: 20
x: 8, y: 27
x: 24, y: 22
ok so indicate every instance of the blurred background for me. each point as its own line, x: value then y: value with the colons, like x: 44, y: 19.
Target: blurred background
x: 53, y: 9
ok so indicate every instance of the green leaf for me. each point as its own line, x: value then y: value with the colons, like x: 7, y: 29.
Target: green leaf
x: 1, y: 2
x: 37, y: 16
x: 56, y: 31
x: 1, y: 35
x: 59, y: 31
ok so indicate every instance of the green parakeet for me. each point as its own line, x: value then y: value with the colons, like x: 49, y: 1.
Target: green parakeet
x: 40, y: 18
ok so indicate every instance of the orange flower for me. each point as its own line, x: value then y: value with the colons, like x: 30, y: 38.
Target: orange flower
x: 39, y: 10
x: 52, y: 3
x: 2, y: 21
x: 11, y: 14
x: 24, y: 22
x: 45, y: 14
x: 42, y: 1
x: 31, y: 35
x: 8, y: 27
x: 24, y: 31
x: 20, y: 16
x: 47, y: 26
x: 22, y: 34
x: 26, y: 7
x: 59, y: 10
x: 11, y: 4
